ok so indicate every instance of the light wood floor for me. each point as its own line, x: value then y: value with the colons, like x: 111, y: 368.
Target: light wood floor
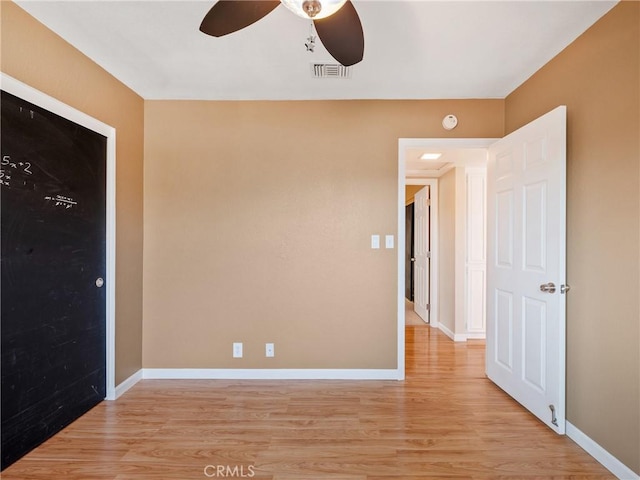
x: 411, y: 318
x: 445, y: 421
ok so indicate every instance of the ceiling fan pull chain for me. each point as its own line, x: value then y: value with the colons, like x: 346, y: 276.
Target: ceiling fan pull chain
x: 311, y: 39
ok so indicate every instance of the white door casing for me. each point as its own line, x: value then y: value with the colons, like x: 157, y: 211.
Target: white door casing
x: 421, y: 253
x: 525, y: 347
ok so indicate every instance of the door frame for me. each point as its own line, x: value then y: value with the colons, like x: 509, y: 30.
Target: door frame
x: 428, y: 144
x: 32, y: 95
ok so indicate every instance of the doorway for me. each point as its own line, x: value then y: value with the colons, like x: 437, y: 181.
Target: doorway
x: 418, y: 255
x: 469, y: 150
x: 525, y: 190
x: 409, y: 288
x: 419, y: 242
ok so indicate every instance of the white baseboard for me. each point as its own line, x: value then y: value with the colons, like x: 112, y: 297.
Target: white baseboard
x: 610, y: 462
x: 249, y: 374
x: 462, y: 337
x: 127, y: 384
x: 476, y: 336
x: 267, y: 374
x: 456, y: 337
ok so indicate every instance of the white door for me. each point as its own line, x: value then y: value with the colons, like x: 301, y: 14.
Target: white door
x: 421, y: 254
x: 527, y: 266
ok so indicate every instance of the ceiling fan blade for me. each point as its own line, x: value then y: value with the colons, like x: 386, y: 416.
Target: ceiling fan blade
x: 228, y: 16
x: 342, y: 35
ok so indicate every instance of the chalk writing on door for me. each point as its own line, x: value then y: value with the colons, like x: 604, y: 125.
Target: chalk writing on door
x: 61, y: 201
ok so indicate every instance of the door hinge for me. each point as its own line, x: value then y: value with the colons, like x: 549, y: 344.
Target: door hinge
x: 428, y: 202
x: 428, y: 254
x: 428, y: 307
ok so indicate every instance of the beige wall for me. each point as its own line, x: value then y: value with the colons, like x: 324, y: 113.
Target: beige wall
x: 410, y: 193
x: 258, y: 217
x: 597, y: 77
x: 34, y: 55
x: 288, y: 259
x: 446, y: 249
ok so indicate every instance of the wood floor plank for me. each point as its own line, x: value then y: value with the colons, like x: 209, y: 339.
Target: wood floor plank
x: 446, y: 420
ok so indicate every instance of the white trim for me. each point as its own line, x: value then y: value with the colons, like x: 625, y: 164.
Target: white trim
x: 267, y: 374
x: 434, y: 246
x: 461, y: 337
x: 401, y: 235
x: 122, y: 388
x: 610, y: 462
x: 456, y: 337
x: 111, y: 265
x: 30, y: 94
x: 460, y: 254
x: 476, y: 336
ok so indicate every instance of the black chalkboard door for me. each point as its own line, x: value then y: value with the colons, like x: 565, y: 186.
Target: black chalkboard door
x: 53, y: 247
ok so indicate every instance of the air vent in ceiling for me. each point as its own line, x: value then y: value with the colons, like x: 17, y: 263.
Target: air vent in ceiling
x: 330, y: 70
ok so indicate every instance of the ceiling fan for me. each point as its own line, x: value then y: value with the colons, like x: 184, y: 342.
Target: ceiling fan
x: 336, y: 22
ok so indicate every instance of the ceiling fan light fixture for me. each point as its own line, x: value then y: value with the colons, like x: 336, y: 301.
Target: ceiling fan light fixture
x: 314, y: 9
x: 311, y: 7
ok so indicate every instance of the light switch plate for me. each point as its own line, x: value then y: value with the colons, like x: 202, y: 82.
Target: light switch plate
x: 388, y: 241
x: 375, y: 241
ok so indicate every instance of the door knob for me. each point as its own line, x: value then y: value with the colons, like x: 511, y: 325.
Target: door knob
x: 99, y: 282
x: 413, y: 259
x: 548, y: 287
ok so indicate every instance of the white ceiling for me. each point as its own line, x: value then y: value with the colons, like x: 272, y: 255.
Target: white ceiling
x: 413, y: 49
x: 451, y: 156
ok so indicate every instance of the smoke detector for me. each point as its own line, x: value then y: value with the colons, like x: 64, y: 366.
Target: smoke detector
x: 449, y: 122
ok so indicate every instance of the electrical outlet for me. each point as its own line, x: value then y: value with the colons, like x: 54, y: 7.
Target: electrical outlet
x: 237, y: 350
x: 269, y: 350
